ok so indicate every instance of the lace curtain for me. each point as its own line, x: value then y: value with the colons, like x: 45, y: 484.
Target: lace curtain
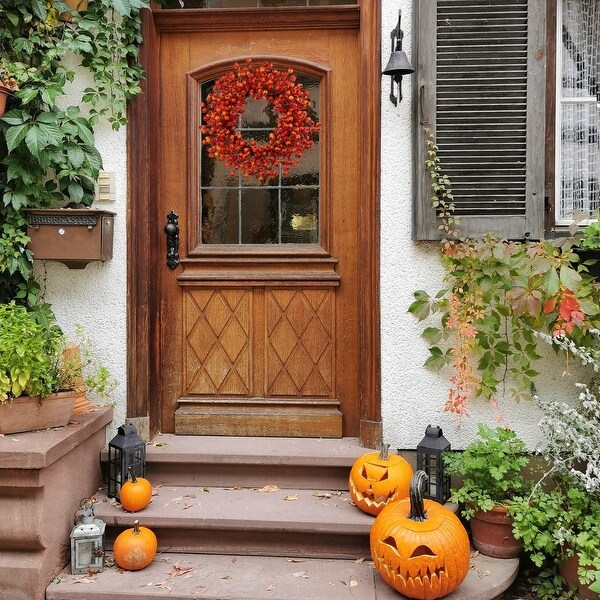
x: 579, y: 109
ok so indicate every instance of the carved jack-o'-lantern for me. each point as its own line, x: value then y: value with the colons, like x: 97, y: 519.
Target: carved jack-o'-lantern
x: 420, y: 548
x: 377, y: 479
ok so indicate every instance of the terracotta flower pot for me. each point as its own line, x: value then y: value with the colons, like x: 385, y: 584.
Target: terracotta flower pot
x: 28, y: 413
x: 568, y: 570
x: 5, y: 92
x: 492, y: 534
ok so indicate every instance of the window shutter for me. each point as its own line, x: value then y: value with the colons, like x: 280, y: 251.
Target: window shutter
x: 480, y: 91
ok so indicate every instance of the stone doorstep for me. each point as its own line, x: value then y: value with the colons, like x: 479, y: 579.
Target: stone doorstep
x: 301, y: 463
x: 219, y: 520
x: 215, y: 577
x: 255, y: 450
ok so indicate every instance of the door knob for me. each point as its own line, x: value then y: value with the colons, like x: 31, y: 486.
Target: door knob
x: 172, y: 232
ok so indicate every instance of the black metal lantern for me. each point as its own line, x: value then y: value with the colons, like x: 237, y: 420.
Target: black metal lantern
x: 429, y: 459
x: 126, y: 454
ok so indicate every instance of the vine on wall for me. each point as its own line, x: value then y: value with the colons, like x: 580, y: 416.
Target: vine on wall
x: 497, y: 293
x: 48, y: 155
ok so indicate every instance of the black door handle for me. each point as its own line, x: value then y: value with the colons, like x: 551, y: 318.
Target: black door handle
x: 172, y: 231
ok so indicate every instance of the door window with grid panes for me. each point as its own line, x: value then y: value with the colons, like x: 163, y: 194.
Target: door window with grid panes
x: 239, y: 209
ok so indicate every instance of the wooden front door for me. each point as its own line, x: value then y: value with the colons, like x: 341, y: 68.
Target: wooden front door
x: 260, y: 326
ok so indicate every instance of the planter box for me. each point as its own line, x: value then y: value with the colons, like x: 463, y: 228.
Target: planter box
x: 28, y: 413
x: 72, y: 236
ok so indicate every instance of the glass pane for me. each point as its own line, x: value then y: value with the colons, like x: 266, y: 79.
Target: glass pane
x: 269, y: 3
x: 220, y: 217
x: 260, y: 216
x: 253, y: 3
x: 580, y: 49
x: 258, y: 113
x: 300, y: 216
x: 306, y: 172
x: 237, y: 208
x: 578, y: 157
x: 231, y: 3
x: 215, y: 173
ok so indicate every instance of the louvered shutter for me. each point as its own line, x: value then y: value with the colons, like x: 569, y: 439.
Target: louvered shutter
x: 480, y: 88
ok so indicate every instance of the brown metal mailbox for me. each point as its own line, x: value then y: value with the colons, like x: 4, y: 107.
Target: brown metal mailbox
x: 73, y: 236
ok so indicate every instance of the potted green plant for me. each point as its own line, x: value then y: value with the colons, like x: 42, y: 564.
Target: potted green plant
x: 491, y: 472
x: 38, y: 384
x: 559, y: 521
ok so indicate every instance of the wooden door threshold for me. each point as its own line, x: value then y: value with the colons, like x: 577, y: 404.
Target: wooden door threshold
x: 260, y: 417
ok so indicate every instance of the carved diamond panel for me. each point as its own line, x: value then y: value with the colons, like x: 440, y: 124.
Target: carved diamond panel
x: 217, y: 342
x: 300, y: 342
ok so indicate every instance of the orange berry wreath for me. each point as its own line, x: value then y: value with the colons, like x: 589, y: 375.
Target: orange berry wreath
x: 290, y: 138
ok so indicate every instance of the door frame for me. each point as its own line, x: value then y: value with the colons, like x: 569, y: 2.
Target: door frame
x: 146, y: 240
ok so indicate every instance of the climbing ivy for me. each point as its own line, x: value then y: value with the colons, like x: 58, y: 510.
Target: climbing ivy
x: 48, y: 155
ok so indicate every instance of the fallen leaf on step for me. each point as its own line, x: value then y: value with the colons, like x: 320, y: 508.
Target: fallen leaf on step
x: 295, y: 560
x: 268, y: 489
x: 190, y: 496
x: 178, y: 570
x: 359, y: 561
x: 83, y: 580
x: 322, y: 494
x: 291, y: 497
x: 301, y: 574
x: 159, y: 444
x: 353, y: 582
x: 186, y: 506
x: 271, y: 587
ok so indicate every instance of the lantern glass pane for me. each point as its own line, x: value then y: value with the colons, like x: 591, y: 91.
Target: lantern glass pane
x: 83, y: 553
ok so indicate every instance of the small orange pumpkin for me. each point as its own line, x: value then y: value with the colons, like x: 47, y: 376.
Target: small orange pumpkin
x: 135, y: 493
x: 377, y: 479
x: 420, y: 548
x: 135, y: 548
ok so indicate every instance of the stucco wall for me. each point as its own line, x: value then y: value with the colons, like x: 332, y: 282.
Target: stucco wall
x: 413, y: 397
x: 96, y: 297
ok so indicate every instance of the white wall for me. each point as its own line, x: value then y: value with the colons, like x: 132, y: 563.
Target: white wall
x: 413, y: 397
x: 95, y: 297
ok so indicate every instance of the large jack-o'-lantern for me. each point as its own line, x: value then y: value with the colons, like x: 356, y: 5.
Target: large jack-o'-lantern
x: 420, y: 548
x: 377, y: 479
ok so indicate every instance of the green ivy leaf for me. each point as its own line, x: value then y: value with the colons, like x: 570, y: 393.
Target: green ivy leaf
x: 569, y: 277
x: 15, y: 135
x: 438, y: 359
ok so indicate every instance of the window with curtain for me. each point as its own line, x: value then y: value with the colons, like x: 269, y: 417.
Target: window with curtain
x: 578, y: 110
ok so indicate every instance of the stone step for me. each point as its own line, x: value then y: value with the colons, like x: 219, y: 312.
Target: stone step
x: 299, y: 463
x: 257, y: 521
x: 216, y: 577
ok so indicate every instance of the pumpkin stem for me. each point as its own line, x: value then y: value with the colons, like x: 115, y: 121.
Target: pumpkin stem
x: 136, y: 527
x: 383, y: 453
x: 415, y: 493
